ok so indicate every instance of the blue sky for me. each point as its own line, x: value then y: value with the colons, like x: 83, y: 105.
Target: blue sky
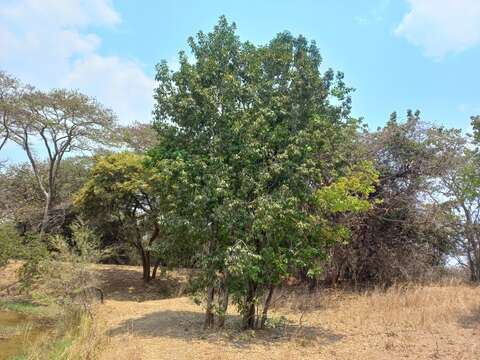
x: 398, y: 54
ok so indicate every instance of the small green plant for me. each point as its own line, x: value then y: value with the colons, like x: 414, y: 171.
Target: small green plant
x: 276, y: 322
x: 24, y: 307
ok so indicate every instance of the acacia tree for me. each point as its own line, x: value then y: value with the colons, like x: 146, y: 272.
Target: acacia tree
x: 6, y: 85
x: 56, y: 123
x: 260, y: 145
x: 139, y: 137
x: 10, y: 90
x: 121, y: 190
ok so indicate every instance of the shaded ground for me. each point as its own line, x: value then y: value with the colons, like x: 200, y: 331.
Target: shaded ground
x: 124, y: 283
x: 436, y: 322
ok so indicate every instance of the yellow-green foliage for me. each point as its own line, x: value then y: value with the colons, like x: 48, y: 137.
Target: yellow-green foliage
x: 349, y: 192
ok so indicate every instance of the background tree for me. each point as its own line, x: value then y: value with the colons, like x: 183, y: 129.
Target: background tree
x: 22, y: 200
x: 456, y: 195
x: 10, y: 91
x: 257, y: 135
x: 121, y: 190
x: 139, y: 137
x: 400, y: 238
x: 59, y: 122
x: 6, y: 85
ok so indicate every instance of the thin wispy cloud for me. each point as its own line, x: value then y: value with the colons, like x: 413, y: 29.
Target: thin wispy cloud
x: 375, y: 13
x: 441, y: 27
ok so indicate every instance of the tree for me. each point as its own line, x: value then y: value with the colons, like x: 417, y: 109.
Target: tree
x: 121, y: 190
x: 456, y: 196
x: 475, y: 122
x: 6, y: 85
x: 259, y: 145
x: 10, y: 90
x: 139, y: 137
x: 401, y: 237
x: 62, y: 122
x: 22, y: 201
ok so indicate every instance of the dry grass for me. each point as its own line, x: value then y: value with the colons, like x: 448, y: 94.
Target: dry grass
x: 437, y: 321
x: 405, y: 307
x: 156, y: 321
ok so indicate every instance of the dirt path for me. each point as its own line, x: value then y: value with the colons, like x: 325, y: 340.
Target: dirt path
x: 423, y: 323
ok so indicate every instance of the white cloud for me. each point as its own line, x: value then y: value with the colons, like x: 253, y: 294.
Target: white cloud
x: 123, y: 83
x: 440, y: 27
x: 48, y: 43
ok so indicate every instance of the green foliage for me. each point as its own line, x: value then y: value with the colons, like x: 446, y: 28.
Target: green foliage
x: 36, y: 251
x: 255, y: 139
x: 475, y: 122
x: 62, y: 276
x: 23, y: 307
x: 121, y: 192
x: 349, y: 192
x: 10, y: 244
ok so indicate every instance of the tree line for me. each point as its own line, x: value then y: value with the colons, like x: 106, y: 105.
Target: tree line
x: 252, y: 171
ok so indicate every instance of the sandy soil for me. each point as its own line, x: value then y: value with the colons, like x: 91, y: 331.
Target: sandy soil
x: 430, y: 322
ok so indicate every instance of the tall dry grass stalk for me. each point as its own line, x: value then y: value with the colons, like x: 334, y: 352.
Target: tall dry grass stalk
x: 399, y: 308
x: 411, y: 307
x: 78, y: 336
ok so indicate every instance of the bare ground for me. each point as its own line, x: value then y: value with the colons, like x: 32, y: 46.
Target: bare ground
x: 439, y: 321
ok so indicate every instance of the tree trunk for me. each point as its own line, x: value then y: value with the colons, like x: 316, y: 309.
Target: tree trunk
x: 249, y: 315
x: 155, y: 268
x: 266, y: 305
x: 145, y: 264
x: 46, y: 211
x: 209, y: 316
x: 223, y: 302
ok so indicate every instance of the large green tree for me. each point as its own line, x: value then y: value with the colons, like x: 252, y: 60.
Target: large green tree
x: 258, y: 135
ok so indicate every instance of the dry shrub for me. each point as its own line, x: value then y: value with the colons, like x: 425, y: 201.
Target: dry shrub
x: 77, y: 336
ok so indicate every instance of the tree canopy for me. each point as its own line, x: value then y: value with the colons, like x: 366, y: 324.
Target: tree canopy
x: 261, y: 134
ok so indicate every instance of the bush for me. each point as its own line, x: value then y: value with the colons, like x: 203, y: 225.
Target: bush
x: 63, y: 276
x: 10, y: 244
